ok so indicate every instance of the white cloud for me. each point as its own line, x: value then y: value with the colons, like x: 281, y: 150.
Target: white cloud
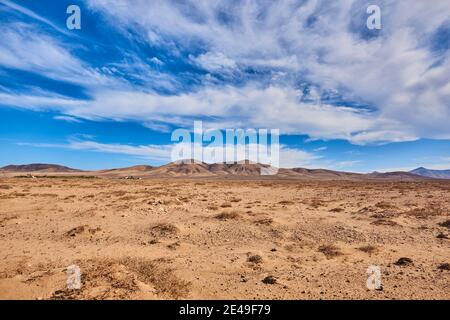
x: 391, y: 72
x: 25, y: 47
x: 214, y: 61
x: 225, y: 107
x: 67, y: 119
x: 316, y: 41
x: 15, y: 7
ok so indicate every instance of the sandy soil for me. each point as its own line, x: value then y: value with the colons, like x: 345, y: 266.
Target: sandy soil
x: 210, y: 239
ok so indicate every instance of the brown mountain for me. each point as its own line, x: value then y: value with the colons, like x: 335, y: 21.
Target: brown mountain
x: 184, y: 168
x: 196, y: 169
x: 38, y: 167
x: 396, y: 175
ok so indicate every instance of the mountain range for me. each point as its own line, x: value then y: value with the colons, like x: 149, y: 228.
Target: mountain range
x: 437, y: 174
x: 245, y: 169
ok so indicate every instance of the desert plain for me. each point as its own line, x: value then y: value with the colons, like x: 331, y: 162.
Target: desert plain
x: 207, y: 238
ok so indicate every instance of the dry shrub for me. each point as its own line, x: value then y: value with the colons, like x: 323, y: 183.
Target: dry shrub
x: 285, y: 202
x: 385, y: 205
x: 228, y: 215
x: 119, y: 276
x: 234, y: 199
x: 368, y: 249
x: 255, y: 259
x: 330, y: 251
x: 264, y: 221
x: 225, y: 205
x: 428, y: 211
x: 212, y: 207
x: 336, y: 210
x: 163, y: 229
x: 316, y: 203
x: 81, y: 230
x: 5, y: 187
x: 384, y: 222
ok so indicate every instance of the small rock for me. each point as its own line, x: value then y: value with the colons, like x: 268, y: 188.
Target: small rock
x: 444, y: 266
x: 403, y: 262
x: 269, y: 280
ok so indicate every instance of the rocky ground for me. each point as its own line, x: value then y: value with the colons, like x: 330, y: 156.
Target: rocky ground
x: 213, y: 239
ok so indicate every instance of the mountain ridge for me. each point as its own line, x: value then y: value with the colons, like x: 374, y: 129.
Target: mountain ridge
x: 42, y: 167
x: 430, y: 173
x: 197, y: 169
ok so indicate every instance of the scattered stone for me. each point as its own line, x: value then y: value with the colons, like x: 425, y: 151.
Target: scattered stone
x: 444, y: 266
x: 173, y: 246
x: 74, y: 231
x: 445, y: 224
x: 403, y: 262
x: 269, y: 280
x: 442, y: 236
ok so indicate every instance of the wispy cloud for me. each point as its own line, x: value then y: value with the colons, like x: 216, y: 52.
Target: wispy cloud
x: 67, y: 119
x: 305, y: 67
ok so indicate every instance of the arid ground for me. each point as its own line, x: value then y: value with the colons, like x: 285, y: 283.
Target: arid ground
x: 223, y: 239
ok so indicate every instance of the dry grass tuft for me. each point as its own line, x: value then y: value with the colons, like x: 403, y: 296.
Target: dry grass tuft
x: 227, y: 215
x: 285, y: 202
x: 384, y: 222
x: 161, y: 277
x: 256, y: 259
x: 163, y: 229
x: 225, y: 205
x: 330, y: 251
x: 368, y: 249
x: 385, y: 205
x: 264, y: 221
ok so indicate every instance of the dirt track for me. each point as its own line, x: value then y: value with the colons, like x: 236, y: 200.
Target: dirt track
x: 200, y: 239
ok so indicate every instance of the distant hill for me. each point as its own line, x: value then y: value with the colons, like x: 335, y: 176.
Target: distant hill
x: 38, y: 167
x: 396, y: 175
x: 437, y: 174
x: 244, y: 169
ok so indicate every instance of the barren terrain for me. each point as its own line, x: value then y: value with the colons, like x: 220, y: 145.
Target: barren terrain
x: 218, y: 239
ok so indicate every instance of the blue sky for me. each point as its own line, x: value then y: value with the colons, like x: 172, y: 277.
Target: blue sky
x: 109, y: 95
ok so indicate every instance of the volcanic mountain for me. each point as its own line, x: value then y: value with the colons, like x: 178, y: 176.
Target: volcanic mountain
x: 38, y: 167
x: 197, y: 169
x: 437, y: 174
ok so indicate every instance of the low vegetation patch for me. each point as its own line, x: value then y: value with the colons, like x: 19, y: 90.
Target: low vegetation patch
x: 228, y: 215
x: 225, y: 205
x: 368, y: 249
x: 384, y: 222
x: 255, y: 259
x: 330, y: 251
x: 163, y: 229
